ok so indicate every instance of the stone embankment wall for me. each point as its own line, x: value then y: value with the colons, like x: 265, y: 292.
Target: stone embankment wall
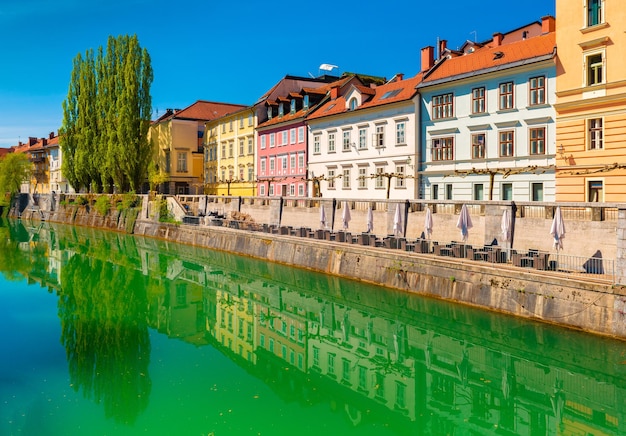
x: 537, y: 295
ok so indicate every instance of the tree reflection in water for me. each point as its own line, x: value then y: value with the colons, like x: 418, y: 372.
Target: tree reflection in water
x: 103, y: 313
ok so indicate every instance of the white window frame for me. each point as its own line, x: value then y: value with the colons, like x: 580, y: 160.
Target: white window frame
x: 363, y: 138
x: 586, y: 72
x: 300, y: 134
x: 346, y: 178
x: 331, y: 142
x: 400, y: 133
x: 292, y: 136
x: 316, y: 144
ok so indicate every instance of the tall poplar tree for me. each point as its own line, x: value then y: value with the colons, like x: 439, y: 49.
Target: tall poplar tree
x: 106, y: 117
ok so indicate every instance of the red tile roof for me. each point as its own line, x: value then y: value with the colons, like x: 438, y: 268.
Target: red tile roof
x: 489, y: 57
x: 5, y: 151
x: 202, y: 110
x: 379, y: 96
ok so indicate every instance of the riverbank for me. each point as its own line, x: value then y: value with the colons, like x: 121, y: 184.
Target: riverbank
x: 547, y: 296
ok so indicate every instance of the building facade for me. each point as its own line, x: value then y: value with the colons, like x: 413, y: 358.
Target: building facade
x: 229, y: 154
x: 591, y: 101
x: 487, y: 124
x: 363, y: 139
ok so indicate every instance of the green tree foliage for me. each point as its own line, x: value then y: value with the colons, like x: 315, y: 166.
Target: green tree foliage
x: 106, y: 117
x: 15, y: 168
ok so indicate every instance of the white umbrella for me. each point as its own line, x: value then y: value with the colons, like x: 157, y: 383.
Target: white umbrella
x: 428, y: 223
x: 557, y: 230
x: 345, y: 216
x: 464, y: 223
x: 505, y: 226
x: 370, y: 220
x: 322, y: 216
x: 397, y: 221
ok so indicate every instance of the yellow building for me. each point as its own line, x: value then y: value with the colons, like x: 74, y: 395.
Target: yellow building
x: 177, y: 139
x: 591, y: 101
x: 230, y: 154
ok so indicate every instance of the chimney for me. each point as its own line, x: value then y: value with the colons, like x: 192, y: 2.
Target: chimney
x: 497, y: 39
x: 443, y: 44
x: 399, y: 77
x: 32, y: 141
x: 548, y: 24
x: 428, y: 59
x: 334, y: 92
x: 51, y: 136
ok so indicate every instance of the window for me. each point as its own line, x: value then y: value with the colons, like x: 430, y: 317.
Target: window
x: 182, y: 162
x: 284, y: 138
x: 316, y: 356
x: 346, y: 140
x: 230, y: 125
x: 537, y: 138
x: 271, y: 191
x: 594, y: 191
x: 250, y: 174
x: 362, y: 177
x: 223, y: 150
x: 537, y: 90
x: 241, y: 122
x: 250, y: 146
x: 353, y: 104
x: 284, y: 159
x: 506, y: 192
x: 380, y: 180
x: 331, y: 179
x: 292, y: 136
x: 449, y: 191
x: 292, y: 161
x: 478, y: 191
x: 595, y: 70
x: 379, y: 385
x: 362, y: 139
x: 594, y: 12
x: 331, y: 364
x: 301, y: 160
x: 537, y: 192
x: 305, y: 102
x: 272, y: 164
x: 379, y: 137
x: 478, y: 146
x: 292, y: 107
x: 272, y: 140
x: 241, y: 147
x: 316, y: 144
x: 345, y: 370
x: 269, y: 112
x: 224, y: 128
x: 281, y: 110
x: 231, y: 146
x: 346, y: 178
x: 478, y: 101
x: 250, y: 120
x: 435, y: 192
x: 263, y: 165
x: 442, y: 149
x: 300, y: 134
x: 292, y: 190
x: 506, y: 96
x: 400, y: 395
x: 262, y: 142
x: 400, y: 133
x: 594, y: 134
x: 331, y: 142
x: 262, y: 191
x: 442, y: 106
x: 506, y: 143
x: 400, y: 173
x: 362, y: 378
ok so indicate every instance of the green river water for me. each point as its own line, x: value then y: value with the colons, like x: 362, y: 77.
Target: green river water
x: 110, y: 334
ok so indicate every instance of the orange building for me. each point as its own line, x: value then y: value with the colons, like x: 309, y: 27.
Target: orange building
x: 591, y: 101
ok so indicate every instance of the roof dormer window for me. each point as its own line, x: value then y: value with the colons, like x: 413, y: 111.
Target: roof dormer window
x: 353, y: 103
x: 269, y: 112
x: 306, y: 102
x: 292, y: 109
x: 281, y: 109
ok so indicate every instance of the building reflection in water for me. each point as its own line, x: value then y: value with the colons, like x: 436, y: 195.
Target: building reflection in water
x: 374, y: 354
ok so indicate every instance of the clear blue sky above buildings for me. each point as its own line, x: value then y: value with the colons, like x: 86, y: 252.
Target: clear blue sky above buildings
x: 227, y: 51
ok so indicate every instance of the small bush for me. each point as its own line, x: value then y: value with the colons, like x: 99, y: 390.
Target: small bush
x: 103, y: 205
x: 81, y: 200
x: 128, y: 200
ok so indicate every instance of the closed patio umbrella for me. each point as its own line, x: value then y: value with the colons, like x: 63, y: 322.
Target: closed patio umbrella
x: 557, y: 230
x: 505, y: 226
x: 428, y: 223
x: 464, y: 223
x: 345, y: 216
x: 322, y: 216
x: 397, y: 222
x: 370, y: 220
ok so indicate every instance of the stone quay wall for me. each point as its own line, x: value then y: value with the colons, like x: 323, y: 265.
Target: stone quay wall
x: 593, y: 306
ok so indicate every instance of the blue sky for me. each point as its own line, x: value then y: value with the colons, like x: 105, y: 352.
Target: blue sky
x: 226, y: 51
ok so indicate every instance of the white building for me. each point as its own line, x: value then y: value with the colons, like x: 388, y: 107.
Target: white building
x: 488, y: 120
x: 362, y: 140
